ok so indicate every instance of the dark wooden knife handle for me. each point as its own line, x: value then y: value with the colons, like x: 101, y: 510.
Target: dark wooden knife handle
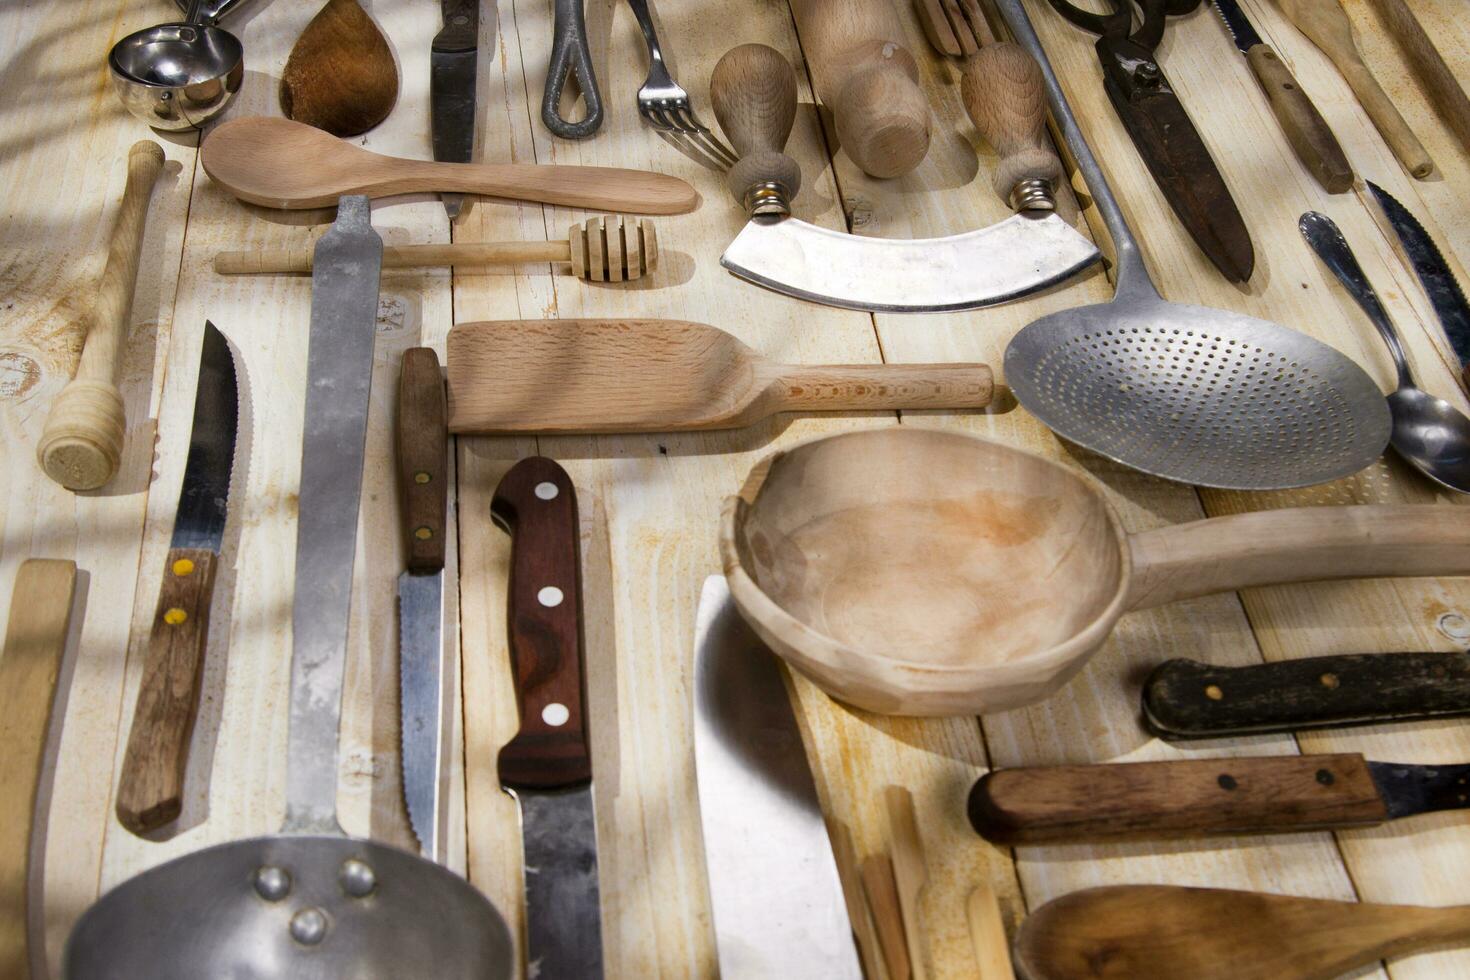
x: 1186, y: 798
x: 423, y: 459
x: 461, y: 30
x: 1187, y: 699
x: 1308, y: 133
x: 537, y: 504
x: 150, y: 791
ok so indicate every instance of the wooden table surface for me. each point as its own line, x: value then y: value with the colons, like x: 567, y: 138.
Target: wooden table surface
x: 652, y: 502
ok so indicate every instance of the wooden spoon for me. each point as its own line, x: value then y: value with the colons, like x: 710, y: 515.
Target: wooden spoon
x: 283, y: 164
x: 665, y: 376
x: 341, y: 76
x: 1168, y: 933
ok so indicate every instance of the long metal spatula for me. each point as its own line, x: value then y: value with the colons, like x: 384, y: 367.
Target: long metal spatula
x: 310, y: 903
x: 1188, y: 393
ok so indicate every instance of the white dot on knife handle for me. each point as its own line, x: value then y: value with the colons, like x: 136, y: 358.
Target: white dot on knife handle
x: 549, y: 596
x: 555, y: 714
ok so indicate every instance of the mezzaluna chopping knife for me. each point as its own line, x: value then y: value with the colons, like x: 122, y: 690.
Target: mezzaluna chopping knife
x: 775, y: 894
x: 423, y: 501
x: 452, y: 66
x: 547, y: 767
x: 150, y: 788
x: 1202, y: 797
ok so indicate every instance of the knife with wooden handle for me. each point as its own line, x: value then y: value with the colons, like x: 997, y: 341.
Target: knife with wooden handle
x: 1185, y: 699
x: 1204, y: 797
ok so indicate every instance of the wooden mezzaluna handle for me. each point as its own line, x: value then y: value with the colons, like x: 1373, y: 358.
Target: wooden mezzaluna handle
x: 423, y: 459
x: 1298, y: 544
x: 81, y: 444
x: 753, y: 89
x: 1182, y: 798
x: 1005, y: 95
x: 537, y: 504
x: 35, y: 642
x: 1326, y: 24
x: 150, y: 790
x: 865, y: 75
x: 1310, y: 137
x: 874, y: 387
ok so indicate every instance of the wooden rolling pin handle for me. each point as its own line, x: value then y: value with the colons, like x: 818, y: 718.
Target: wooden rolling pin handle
x: 81, y: 444
x: 1052, y: 804
x: 880, y: 112
x: 872, y: 387
x: 150, y: 790
x: 1005, y: 95
x: 1307, y: 132
x: 753, y: 88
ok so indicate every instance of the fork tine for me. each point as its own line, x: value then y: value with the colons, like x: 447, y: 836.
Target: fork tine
x: 694, y: 151
x: 715, y: 148
x: 651, y: 112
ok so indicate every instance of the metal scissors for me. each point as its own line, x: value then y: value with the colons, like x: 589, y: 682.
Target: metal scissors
x: 1161, y: 130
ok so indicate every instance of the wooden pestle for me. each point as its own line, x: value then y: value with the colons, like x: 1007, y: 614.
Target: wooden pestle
x: 611, y: 249
x: 870, y: 81
x: 81, y: 444
x: 1327, y: 26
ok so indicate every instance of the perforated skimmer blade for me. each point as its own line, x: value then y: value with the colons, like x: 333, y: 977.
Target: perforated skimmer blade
x: 1232, y: 402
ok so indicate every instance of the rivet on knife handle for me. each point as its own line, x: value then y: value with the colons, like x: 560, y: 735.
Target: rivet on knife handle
x: 423, y: 458
x: 536, y: 503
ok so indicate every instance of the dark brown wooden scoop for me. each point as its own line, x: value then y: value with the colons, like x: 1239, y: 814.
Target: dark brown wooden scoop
x: 341, y: 76
x: 1129, y: 932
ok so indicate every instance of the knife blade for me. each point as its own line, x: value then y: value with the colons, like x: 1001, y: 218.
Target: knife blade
x: 452, y: 64
x: 1434, y: 275
x: 423, y: 500
x: 547, y: 766
x: 1184, y: 699
x: 1308, y: 133
x: 1203, y: 797
x: 150, y: 787
x: 774, y: 890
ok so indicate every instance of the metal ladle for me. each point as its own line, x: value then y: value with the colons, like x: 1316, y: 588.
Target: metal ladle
x: 179, y: 76
x: 1188, y: 393
x: 1428, y: 432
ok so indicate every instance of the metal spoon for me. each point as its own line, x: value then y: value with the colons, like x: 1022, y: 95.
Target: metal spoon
x: 1428, y: 432
x: 177, y: 77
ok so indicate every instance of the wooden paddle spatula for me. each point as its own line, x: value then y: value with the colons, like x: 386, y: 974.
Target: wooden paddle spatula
x: 1127, y: 932
x: 664, y: 376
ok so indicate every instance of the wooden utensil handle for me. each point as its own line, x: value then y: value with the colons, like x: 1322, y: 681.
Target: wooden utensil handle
x: 150, y: 789
x: 1005, y: 96
x: 1308, y: 133
x: 1301, y: 544
x: 536, y: 503
x: 870, y: 387
x: 423, y: 459
x: 593, y: 188
x: 81, y: 444
x: 1185, y: 699
x: 398, y: 257
x: 1439, y: 82
x: 753, y: 89
x: 1184, y: 798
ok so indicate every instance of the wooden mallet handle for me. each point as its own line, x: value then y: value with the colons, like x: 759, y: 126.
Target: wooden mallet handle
x: 81, y: 445
x: 753, y: 89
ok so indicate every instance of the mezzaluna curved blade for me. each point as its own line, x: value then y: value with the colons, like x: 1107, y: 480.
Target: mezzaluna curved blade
x: 1013, y: 258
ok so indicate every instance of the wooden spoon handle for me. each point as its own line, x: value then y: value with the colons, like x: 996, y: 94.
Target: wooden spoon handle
x: 81, y: 444
x: 1303, y: 544
x: 593, y: 188
x: 1186, y: 798
x: 872, y: 387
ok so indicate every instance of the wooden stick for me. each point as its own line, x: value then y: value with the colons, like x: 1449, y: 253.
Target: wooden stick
x: 1439, y: 82
x: 882, y: 892
x: 81, y: 444
x: 909, y: 871
x: 988, y: 935
x: 849, y: 872
x: 40, y: 619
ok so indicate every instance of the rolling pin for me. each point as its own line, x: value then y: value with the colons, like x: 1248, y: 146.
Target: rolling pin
x: 870, y: 81
x: 1326, y: 24
x: 81, y: 444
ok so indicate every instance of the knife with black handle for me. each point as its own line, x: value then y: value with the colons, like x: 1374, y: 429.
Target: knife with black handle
x: 1206, y: 797
x: 1184, y: 699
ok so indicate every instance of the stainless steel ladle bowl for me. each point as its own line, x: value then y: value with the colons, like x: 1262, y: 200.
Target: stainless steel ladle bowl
x: 177, y: 77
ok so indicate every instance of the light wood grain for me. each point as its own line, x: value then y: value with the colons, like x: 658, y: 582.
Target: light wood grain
x: 1439, y: 81
x: 909, y: 872
x: 988, y: 933
x: 880, y: 885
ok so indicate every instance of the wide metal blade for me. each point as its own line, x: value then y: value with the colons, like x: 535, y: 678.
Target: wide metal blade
x: 199, y: 521
x: 339, y: 374
x: 421, y: 691
x: 1433, y: 271
x: 777, y: 899
x: 563, y: 907
x: 1018, y: 256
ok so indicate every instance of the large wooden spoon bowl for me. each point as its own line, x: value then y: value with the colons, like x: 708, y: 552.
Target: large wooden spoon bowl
x: 919, y: 572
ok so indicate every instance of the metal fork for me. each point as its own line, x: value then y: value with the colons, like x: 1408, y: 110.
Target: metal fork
x: 665, y: 104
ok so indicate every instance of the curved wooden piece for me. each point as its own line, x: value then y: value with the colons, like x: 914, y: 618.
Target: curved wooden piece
x: 341, y: 76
